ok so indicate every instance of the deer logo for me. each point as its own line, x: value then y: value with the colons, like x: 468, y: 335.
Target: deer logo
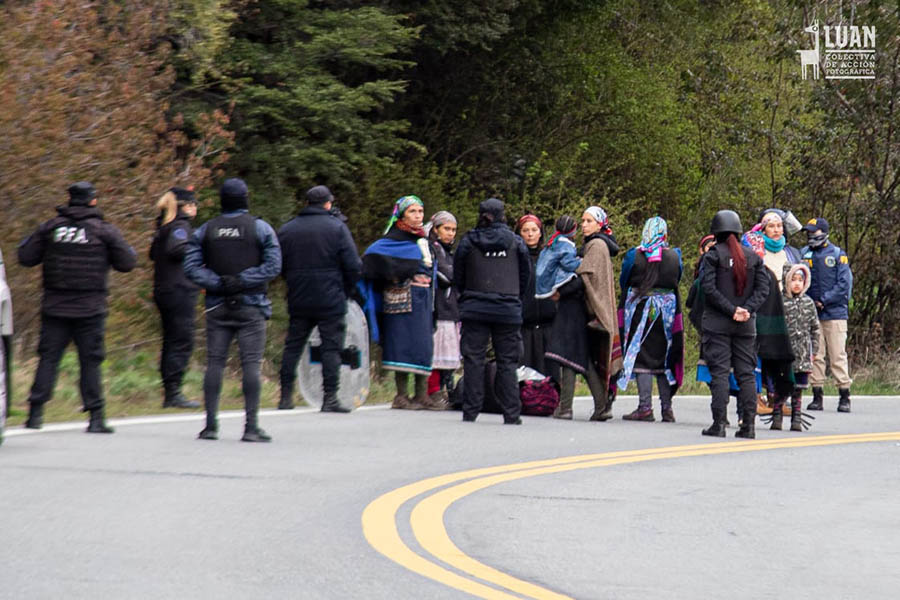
x: 810, y: 57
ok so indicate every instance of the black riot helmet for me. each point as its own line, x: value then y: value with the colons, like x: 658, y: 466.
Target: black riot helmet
x: 726, y: 221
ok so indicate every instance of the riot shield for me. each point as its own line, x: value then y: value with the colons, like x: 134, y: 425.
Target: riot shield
x: 354, y: 375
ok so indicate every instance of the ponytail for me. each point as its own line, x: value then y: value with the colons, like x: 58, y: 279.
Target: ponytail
x: 167, y: 206
x: 739, y: 264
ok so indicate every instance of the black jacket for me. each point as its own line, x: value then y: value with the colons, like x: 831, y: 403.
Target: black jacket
x: 319, y: 263
x: 720, y: 297
x: 534, y: 311
x: 446, y: 300
x: 490, y: 306
x: 76, y: 247
x: 167, y: 254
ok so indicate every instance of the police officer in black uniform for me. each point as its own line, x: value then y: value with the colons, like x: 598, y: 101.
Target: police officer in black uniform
x: 491, y: 271
x: 321, y: 266
x: 735, y: 285
x: 77, y: 249
x: 233, y: 257
x: 174, y: 294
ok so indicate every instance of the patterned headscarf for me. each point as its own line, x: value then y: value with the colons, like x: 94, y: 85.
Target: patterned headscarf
x: 600, y: 216
x: 439, y: 218
x: 654, y: 238
x: 400, y: 207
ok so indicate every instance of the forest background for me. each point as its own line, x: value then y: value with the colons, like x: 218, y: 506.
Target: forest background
x: 677, y: 108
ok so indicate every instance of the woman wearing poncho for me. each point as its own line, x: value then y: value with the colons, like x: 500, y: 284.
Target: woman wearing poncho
x: 650, y: 321
x: 585, y: 335
x: 398, y: 272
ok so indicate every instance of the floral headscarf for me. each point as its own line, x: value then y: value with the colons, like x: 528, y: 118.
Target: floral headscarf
x: 654, y: 238
x: 400, y: 207
x: 600, y: 216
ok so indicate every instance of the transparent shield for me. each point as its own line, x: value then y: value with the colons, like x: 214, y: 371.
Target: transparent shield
x: 354, y: 379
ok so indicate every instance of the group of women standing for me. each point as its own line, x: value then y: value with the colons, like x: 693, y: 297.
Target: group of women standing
x: 580, y: 329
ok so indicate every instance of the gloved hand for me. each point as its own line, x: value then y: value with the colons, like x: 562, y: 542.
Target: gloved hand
x: 231, y: 285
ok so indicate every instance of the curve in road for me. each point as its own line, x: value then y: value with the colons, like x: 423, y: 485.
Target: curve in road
x: 379, y: 519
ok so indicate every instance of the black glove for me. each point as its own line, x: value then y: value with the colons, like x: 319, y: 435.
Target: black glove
x: 231, y: 285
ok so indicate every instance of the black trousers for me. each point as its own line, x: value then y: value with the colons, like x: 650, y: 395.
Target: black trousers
x: 176, y: 311
x: 506, y: 340
x: 223, y: 325
x: 723, y: 353
x: 56, y: 333
x: 331, y: 330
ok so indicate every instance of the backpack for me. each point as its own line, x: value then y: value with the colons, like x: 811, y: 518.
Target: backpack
x: 540, y: 397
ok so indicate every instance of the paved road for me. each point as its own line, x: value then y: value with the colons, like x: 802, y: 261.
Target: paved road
x: 151, y: 512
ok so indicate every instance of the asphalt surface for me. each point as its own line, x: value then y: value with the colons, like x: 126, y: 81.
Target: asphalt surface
x: 152, y: 512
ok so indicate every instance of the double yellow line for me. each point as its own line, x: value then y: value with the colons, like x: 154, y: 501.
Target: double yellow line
x: 379, y: 520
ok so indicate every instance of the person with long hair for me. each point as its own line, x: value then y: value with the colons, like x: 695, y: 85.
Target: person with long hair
x: 174, y: 294
x: 650, y: 321
x: 735, y: 284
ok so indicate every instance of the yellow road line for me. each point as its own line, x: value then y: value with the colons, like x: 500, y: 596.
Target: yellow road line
x: 379, y: 518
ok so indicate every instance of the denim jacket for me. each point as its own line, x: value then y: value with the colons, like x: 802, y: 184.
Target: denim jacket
x: 555, y: 266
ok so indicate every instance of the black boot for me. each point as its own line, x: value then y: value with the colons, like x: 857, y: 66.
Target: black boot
x: 844, y: 402
x: 330, y: 404
x: 717, y: 429
x: 175, y: 399
x: 796, y: 414
x: 255, y: 434
x: 97, y: 423
x: 816, y: 403
x: 35, y: 416
x: 287, y: 400
x: 748, y: 428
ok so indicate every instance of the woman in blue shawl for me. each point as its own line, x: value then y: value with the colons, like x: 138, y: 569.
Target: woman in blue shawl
x: 398, y: 272
x: 650, y: 321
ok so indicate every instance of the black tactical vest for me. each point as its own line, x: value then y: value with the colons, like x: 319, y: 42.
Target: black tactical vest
x: 75, y: 256
x: 495, y: 271
x: 230, y: 246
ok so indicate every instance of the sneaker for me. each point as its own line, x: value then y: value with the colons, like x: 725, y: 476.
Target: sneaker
x: 516, y: 421
x: 256, y: 435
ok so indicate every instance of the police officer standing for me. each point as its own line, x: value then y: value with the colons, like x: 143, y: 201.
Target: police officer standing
x: 233, y: 257
x: 174, y: 294
x: 321, y: 267
x: 830, y: 287
x: 491, y: 271
x: 77, y: 248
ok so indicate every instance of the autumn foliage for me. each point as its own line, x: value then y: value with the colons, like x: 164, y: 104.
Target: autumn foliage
x: 85, y: 94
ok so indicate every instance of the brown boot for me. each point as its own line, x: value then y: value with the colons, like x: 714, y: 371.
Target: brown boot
x: 762, y: 406
x: 563, y: 410
x: 439, y: 400
x: 403, y: 402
